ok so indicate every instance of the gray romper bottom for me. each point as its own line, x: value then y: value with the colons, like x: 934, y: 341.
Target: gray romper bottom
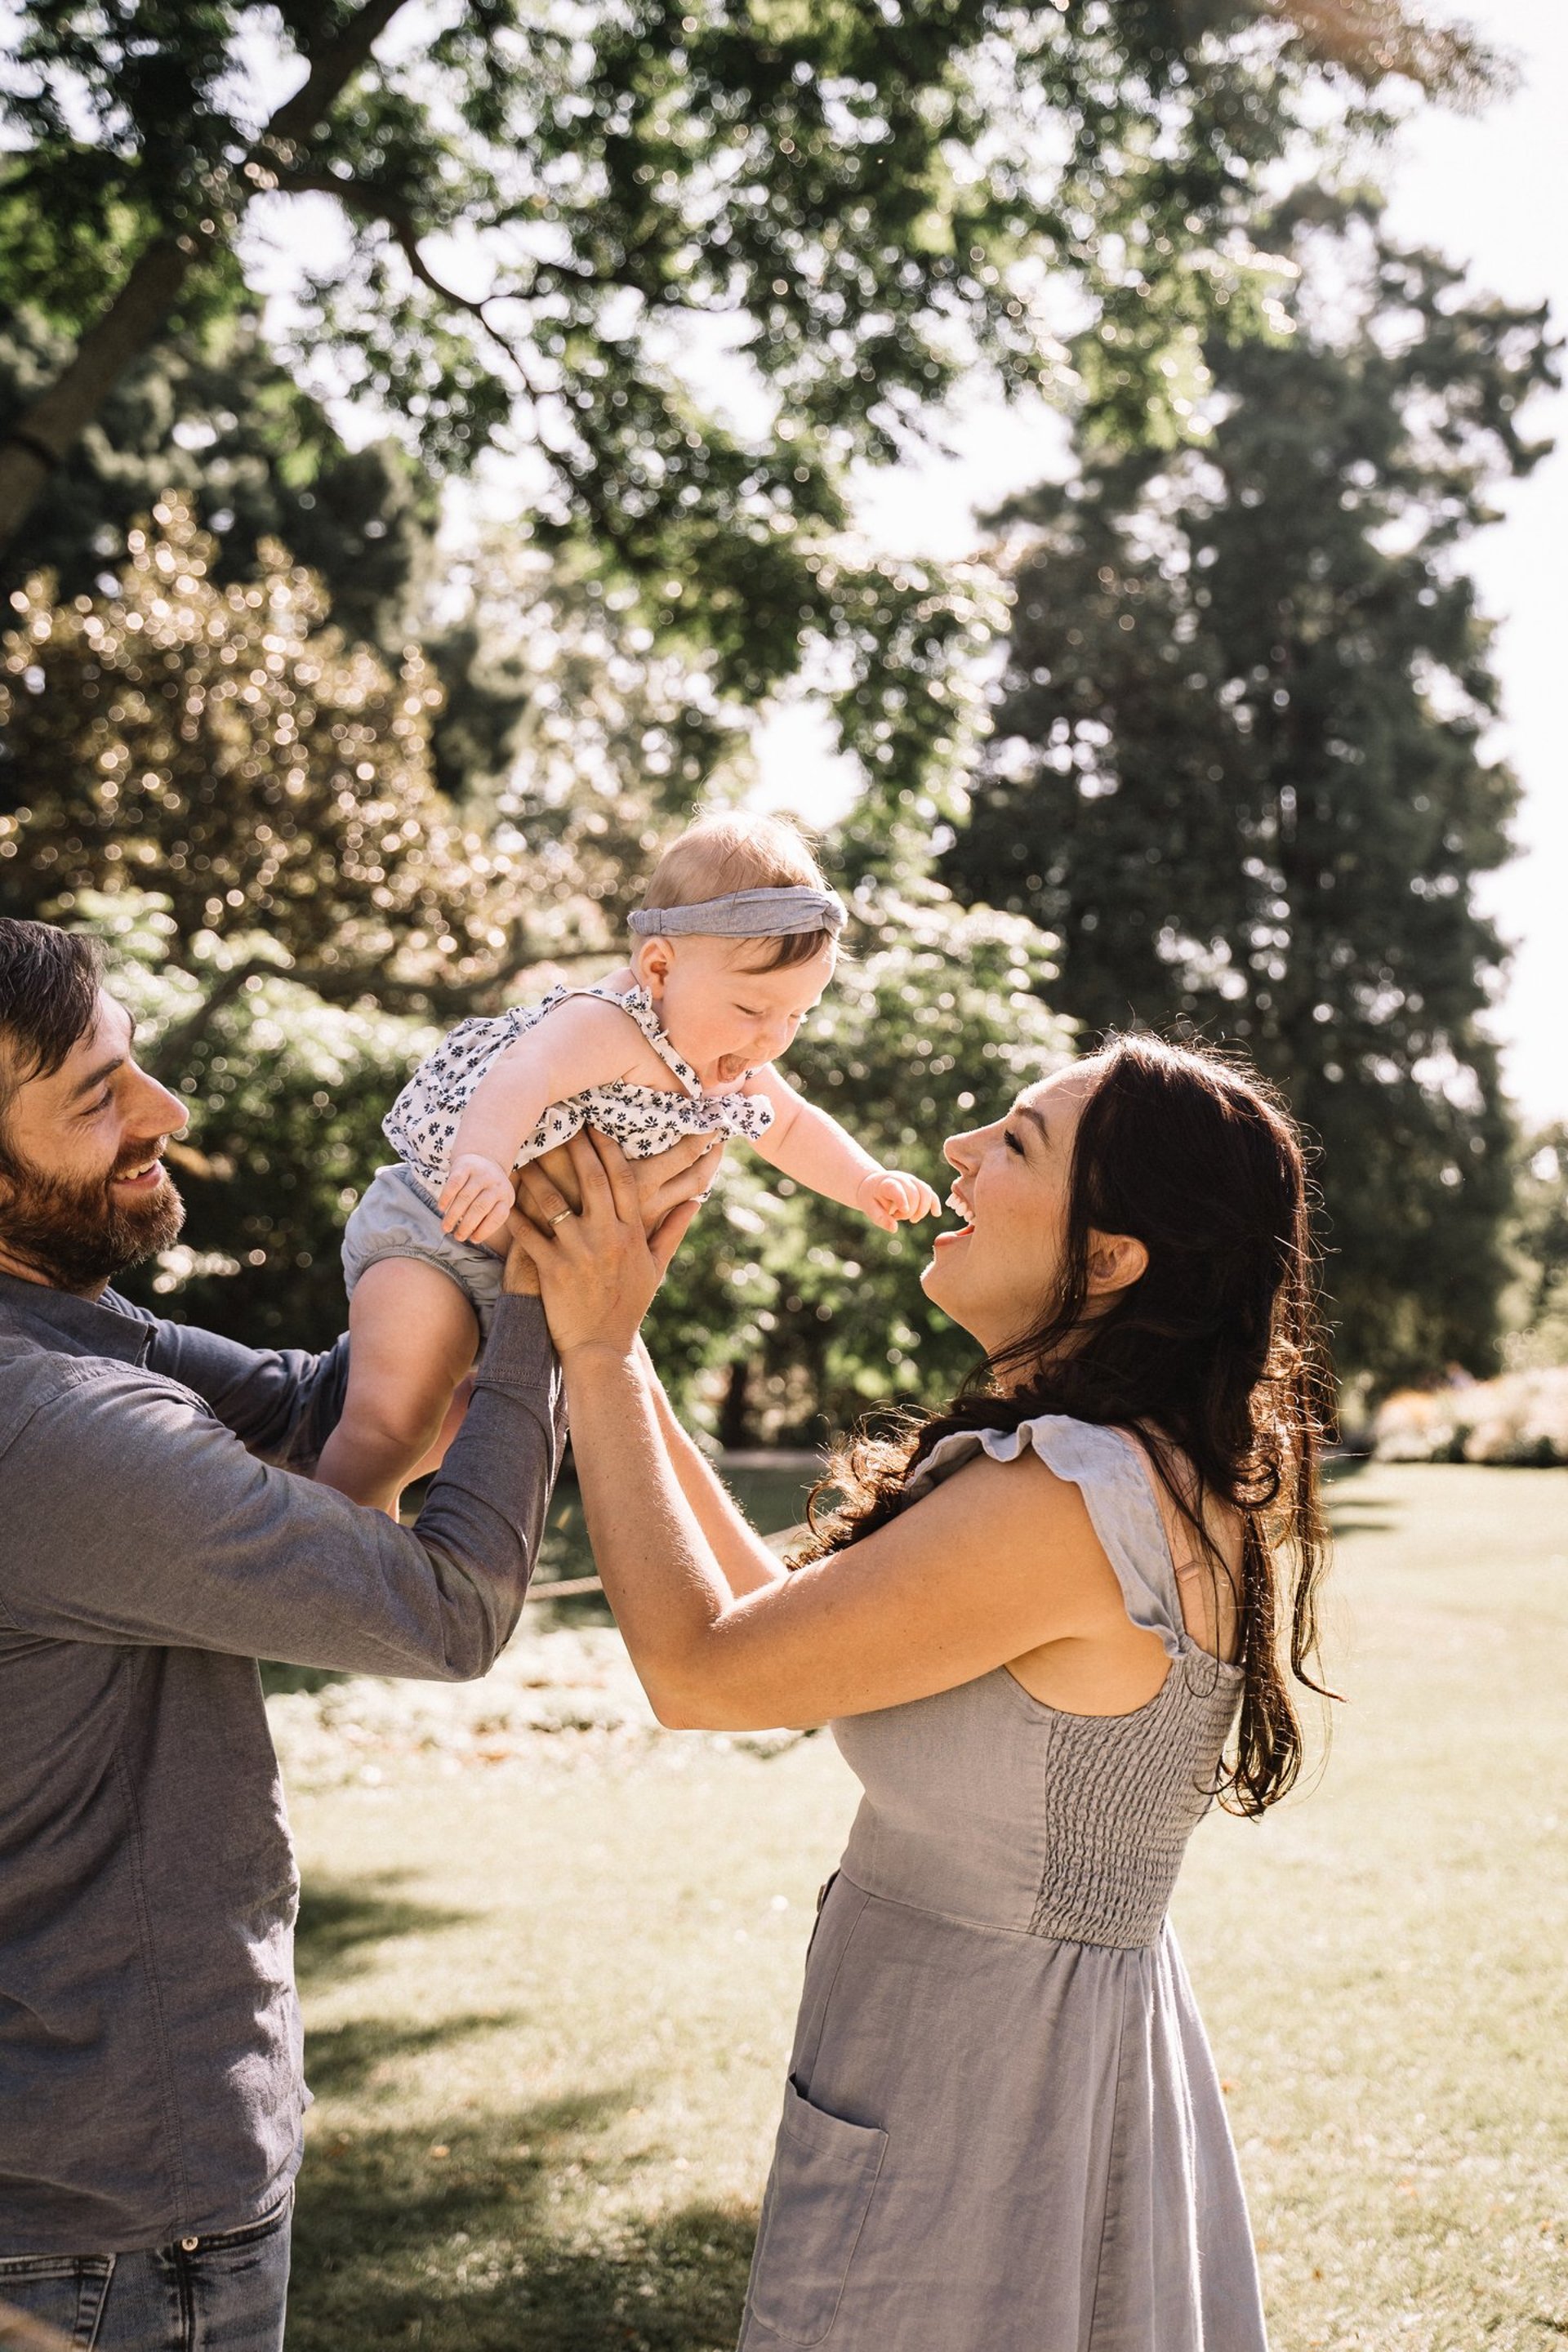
x: 1003, y: 2131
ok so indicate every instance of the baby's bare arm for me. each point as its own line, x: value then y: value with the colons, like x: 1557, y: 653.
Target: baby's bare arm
x: 806, y: 1143
x: 582, y: 1043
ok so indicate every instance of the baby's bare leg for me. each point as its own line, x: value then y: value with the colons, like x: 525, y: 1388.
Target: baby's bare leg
x: 412, y: 1336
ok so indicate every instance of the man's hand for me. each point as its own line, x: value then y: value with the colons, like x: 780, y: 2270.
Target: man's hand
x: 477, y: 1199
x: 548, y: 1191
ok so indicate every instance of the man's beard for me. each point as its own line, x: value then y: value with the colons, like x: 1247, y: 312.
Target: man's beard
x: 78, y: 1236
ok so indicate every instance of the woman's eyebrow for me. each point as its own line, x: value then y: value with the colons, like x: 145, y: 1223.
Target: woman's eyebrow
x: 1027, y: 1110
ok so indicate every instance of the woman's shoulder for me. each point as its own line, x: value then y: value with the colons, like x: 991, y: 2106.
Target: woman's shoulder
x: 1113, y: 1488
x: 1078, y: 1452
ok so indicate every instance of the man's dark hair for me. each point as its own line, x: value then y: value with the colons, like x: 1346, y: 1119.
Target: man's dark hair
x: 49, y: 981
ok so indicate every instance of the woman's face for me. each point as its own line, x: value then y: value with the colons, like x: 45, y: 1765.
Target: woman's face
x: 997, y: 1273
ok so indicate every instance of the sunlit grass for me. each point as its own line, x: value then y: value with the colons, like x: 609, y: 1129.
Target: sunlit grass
x: 549, y: 2002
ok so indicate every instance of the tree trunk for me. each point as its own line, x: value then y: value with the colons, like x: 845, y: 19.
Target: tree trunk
x: 735, y: 1412
x: 46, y: 432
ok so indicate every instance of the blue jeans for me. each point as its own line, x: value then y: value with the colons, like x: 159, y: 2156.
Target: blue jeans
x: 222, y: 2293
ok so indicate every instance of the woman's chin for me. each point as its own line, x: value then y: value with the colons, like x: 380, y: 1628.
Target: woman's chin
x: 936, y: 1281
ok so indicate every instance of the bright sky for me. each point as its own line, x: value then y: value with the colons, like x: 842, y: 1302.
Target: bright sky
x: 1494, y: 190
x: 1490, y: 190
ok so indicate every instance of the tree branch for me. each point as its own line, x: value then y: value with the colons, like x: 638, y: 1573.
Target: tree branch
x: 44, y: 433
x: 377, y: 204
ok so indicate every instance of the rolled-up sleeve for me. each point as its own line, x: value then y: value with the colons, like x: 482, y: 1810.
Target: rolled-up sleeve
x: 148, y: 1520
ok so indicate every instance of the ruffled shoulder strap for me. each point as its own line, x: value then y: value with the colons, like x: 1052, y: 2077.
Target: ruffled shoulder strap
x: 639, y: 1004
x: 1107, y: 1467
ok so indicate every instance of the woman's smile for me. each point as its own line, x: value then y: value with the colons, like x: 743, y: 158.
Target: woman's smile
x: 961, y: 1210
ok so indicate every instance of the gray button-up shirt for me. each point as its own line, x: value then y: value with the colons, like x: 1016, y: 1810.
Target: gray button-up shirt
x: 156, y: 1537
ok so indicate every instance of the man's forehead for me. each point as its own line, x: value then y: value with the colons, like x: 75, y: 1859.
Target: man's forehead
x: 108, y: 1037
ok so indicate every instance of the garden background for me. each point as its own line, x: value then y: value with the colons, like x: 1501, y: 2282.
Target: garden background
x: 445, y: 443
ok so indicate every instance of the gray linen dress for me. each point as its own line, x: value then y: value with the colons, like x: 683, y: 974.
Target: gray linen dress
x: 1003, y: 2131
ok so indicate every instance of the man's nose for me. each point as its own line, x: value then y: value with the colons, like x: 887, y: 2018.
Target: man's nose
x: 157, y: 1108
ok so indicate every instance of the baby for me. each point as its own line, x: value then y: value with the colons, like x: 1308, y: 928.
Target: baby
x: 735, y: 944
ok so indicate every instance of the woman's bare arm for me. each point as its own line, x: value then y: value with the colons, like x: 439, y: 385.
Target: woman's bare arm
x: 998, y: 1560
x: 745, y: 1560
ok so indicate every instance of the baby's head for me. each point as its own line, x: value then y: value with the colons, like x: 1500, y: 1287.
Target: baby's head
x: 731, y: 1003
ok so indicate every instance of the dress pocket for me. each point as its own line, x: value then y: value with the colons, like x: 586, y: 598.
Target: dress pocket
x: 823, y: 2177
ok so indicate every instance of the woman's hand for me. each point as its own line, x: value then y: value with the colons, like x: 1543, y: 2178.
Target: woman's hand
x: 598, y: 1264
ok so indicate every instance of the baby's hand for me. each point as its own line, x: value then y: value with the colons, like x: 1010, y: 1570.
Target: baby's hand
x: 890, y: 1198
x: 477, y: 1200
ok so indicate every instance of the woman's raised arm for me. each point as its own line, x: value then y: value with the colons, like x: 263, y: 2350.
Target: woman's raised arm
x: 996, y: 1561
x: 745, y: 1560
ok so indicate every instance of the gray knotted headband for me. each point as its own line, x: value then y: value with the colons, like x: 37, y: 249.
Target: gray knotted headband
x: 745, y: 915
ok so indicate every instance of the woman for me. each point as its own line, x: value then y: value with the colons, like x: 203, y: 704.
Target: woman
x: 1044, y: 1635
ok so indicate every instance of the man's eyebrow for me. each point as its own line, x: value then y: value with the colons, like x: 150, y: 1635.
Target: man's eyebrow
x: 96, y: 1078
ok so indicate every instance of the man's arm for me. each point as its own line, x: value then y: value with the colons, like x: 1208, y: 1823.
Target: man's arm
x: 280, y: 1402
x: 137, y: 1516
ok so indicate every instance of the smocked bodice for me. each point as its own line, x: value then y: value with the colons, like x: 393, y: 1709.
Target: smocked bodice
x: 988, y: 1806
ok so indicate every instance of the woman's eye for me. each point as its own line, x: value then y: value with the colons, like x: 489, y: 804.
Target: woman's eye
x: 1012, y: 1141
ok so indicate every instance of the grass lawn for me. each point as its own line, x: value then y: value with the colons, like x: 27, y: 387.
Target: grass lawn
x: 548, y: 1999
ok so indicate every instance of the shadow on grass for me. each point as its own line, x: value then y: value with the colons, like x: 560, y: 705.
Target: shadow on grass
x: 470, y: 2250
x: 1352, y: 1510
x: 338, y: 1922
x: 341, y: 2060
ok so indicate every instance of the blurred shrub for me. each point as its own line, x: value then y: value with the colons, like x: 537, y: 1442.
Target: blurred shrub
x: 1521, y: 1418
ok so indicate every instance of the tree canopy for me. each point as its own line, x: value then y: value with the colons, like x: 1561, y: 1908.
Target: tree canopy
x: 695, y: 259
x: 1239, y: 760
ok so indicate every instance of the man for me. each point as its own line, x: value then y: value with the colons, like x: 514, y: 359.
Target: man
x: 162, y: 1532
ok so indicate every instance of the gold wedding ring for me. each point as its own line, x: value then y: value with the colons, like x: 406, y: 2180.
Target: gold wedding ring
x: 561, y: 1216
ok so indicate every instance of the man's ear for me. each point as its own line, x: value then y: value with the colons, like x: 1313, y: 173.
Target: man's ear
x: 1116, y: 1261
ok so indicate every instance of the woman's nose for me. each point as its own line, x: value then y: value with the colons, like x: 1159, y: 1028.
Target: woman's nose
x: 959, y: 1150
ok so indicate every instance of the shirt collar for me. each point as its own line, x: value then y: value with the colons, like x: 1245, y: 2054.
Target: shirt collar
x: 60, y: 1321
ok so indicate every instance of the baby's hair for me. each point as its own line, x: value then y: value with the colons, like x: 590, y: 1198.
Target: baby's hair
x: 719, y: 854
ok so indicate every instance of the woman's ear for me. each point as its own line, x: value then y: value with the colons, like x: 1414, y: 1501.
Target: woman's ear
x: 1116, y: 1261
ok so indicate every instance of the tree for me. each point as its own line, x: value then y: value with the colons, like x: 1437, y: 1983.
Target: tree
x: 862, y: 205
x: 216, y: 422
x: 1239, y: 762
x: 1539, y: 1237
x: 227, y: 748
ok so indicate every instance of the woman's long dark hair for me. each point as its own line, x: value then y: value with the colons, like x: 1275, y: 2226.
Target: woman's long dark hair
x: 1213, y: 1354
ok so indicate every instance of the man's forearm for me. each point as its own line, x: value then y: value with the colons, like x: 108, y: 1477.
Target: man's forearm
x: 151, y: 1524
